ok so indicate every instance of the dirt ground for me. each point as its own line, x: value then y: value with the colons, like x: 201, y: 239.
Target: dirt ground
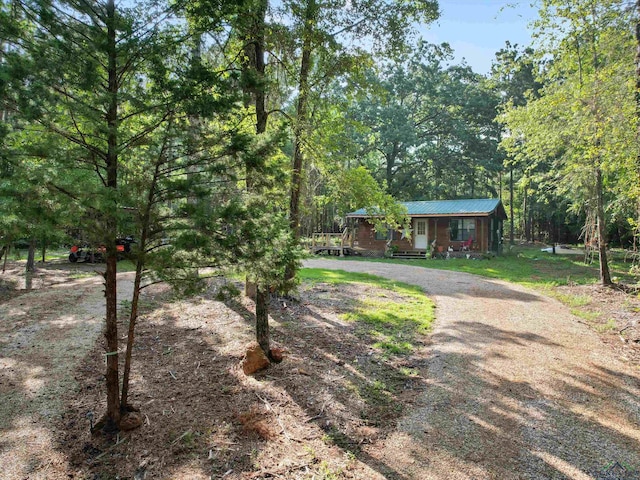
x: 334, y: 408
x: 311, y: 416
x: 612, y: 313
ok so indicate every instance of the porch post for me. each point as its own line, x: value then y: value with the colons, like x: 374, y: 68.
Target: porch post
x: 428, y: 243
x: 436, y: 232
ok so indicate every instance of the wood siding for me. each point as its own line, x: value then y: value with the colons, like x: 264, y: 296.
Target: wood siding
x: 366, y: 238
x: 437, y: 228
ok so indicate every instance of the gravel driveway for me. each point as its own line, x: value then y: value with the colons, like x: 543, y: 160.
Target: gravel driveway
x: 516, y: 388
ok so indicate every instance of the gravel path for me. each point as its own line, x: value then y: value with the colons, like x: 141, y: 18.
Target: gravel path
x: 516, y: 388
x: 44, y: 335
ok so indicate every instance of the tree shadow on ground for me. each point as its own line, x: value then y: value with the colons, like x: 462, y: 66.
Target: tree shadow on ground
x: 478, y: 334
x: 480, y: 421
x: 353, y: 393
x: 318, y: 413
x: 200, y: 420
x: 484, y: 416
x: 490, y: 423
x: 333, y: 405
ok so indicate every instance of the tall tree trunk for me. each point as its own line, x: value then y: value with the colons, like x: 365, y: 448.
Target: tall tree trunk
x: 525, y: 212
x: 111, y: 330
x: 437, y: 176
x: 255, y: 51
x: 31, y: 256
x: 636, y: 233
x: 511, y: 225
x: 531, y: 229
x: 262, y: 293
x: 6, y: 257
x: 605, y: 276
x: 553, y: 234
x: 135, y: 299
x: 391, y: 158
x: 301, y: 126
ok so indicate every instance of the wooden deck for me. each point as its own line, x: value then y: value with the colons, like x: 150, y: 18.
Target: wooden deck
x: 329, y: 249
x: 410, y: 254
x: 331, y: 243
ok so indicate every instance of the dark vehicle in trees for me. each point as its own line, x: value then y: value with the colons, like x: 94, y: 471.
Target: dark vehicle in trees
x: 85, y: 253
x: 82, y: 253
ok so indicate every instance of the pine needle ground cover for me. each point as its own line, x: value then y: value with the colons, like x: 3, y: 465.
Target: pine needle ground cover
x: 356, y: 357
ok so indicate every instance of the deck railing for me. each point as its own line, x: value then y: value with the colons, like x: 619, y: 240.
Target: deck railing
x: 331, y: 239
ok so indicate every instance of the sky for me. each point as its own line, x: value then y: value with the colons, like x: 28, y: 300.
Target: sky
x: 477, y: 29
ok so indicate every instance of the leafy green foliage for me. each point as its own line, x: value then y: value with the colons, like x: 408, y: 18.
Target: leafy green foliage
x: 331, y: 42
x: 141, y: 136
x: 581, y: 130
x: 356, y: 188
x: 428, y: 129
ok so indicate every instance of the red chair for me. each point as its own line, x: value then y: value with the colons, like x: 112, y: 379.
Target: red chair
x: 466, y: 245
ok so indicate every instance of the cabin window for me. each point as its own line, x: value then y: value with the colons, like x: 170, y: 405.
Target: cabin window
x: 382, y: 235
x: 462, y: 229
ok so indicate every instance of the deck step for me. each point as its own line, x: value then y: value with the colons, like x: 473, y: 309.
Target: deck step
x: 409, y: 254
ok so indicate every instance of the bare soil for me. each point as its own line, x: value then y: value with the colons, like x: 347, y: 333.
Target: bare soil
x: 332, y: 398
x: 510, y: 385
x: 613, y: 313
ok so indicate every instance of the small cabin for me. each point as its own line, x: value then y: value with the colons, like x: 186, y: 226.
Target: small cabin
x: 472, y: 225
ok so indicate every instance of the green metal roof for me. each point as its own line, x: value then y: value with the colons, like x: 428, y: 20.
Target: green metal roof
x: 475, y: 206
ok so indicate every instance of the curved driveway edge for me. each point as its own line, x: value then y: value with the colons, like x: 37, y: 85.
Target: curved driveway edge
x: 516, y: 388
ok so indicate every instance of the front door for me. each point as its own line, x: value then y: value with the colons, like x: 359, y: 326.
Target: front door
x: 420, y: 237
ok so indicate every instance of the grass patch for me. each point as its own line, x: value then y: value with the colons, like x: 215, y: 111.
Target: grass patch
x: 334, y: 436
x: 610, y: 326
x: 524, y: 265
x: 406, y: 372
x: 79, y: 274
x: 377, y: 391
x: 585, y: 315
x: 18, y: 254
x: 126, y: 266
x: 571, y: 300
x: 527, y: 266
x: 392, y: 324
x: 392, y: 320
x: 321, y: 275
x: 54, y: 254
